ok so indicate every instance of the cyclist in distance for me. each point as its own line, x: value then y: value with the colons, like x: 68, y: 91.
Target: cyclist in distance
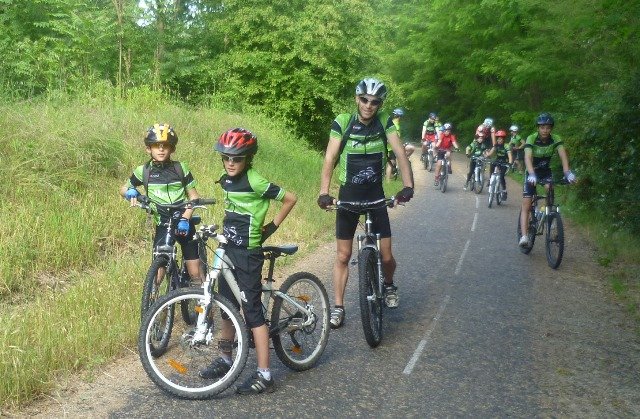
x: 358, y: 143
x: 488, y: 130
x: 479, y: 147
x: 246, y: 196
x: 166, y: 182
x: 428, y: 140
x: 539, y: 148
x: 502, y: 153
x: 396, y: 115
x: 516, y: 143
x: 432, y: 121
x: 443, y: 148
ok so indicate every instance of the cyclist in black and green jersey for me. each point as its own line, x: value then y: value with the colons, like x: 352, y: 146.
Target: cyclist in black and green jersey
x: 539, y: 148
x: 502, y: 153
x: 479, y: 147
x: 392, y: 167
x: 358, y: 143
x: 166, y: 182
x: 246, y: 201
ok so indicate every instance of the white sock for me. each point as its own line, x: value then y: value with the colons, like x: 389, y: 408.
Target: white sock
x: 265, y: 372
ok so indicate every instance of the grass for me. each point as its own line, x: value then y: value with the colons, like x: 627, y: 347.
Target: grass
x: 74, y: 253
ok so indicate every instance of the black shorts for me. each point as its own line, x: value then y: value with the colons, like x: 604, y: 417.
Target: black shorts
x: 248, y: 272
x: 347, y: 221
x: 544, y: 177
x: 187, y: 243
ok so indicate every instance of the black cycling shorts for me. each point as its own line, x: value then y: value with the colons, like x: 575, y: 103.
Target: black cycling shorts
x: 187, y: 243
x: 248, y: 272
x: 544, y: 177
x: 347, y: 221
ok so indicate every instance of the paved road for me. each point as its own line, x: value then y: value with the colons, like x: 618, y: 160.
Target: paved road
x: 479, y: 333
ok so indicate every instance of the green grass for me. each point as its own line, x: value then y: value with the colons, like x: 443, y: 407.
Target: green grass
x: 74, y: 252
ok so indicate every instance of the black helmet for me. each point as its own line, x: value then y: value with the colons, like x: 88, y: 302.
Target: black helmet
x: 161, y: 133
x: 545, y: 118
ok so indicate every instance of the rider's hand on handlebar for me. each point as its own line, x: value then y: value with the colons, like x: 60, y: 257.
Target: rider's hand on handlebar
x: 183, y: 227
x: 131, y: 195
x: 325, y: 201
x: 570, y: 176
x: 404, y: 195
x: 532, y: 179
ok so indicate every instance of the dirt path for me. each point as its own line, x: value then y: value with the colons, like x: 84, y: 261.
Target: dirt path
x: 587, y: 353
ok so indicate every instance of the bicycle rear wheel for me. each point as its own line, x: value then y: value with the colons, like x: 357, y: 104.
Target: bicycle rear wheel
x: 554, y: 240
x: 176, y: 370
x: 369, y: 296
x: 531, y: 233
x: 499, y: 193
x: 299, y: 340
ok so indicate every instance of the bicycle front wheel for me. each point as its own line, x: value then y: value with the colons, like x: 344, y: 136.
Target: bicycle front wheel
x: 369, y: 296
x: 480, y: 182
x: 192, y: 348
x: 491, y: 194
x: 444, y: 177
x: 299, y: 338
x: 554, y: 242
x: 157, y: 284
x: 499, y: 193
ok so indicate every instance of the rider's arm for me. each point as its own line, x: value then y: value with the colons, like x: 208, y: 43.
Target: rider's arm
x: 564, y: 159
x: 490, y: 152
x: 401, y: 158
x: 192, y: 194
x: 510, y: 156
x: 330, y: 157
x: 528, y: 160
x: 424, y: 130
x: 288, y: 202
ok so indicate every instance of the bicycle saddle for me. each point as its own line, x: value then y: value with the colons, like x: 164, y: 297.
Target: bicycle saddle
x: 287, y: 249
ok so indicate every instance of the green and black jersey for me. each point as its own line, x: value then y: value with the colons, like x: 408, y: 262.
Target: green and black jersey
x: 502, y: 152
x: 364, y: 156
x: 477, y: 149
x: 542, y: 152
x: 165, y: 185
x: 246, y: 201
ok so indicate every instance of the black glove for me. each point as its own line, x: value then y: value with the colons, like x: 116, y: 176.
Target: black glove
x: 325, y: 201
x: 404, y: 195
x: 268, y: 230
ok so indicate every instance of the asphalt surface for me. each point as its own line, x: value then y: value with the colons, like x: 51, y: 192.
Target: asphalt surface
x: 475, y: 334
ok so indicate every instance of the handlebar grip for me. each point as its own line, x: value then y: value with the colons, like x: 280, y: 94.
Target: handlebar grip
x: 204, y: 201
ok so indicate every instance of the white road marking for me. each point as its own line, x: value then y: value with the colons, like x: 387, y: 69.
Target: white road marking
x: 477, y: 202
x: 462, y: 255
x: 475, y: 220
x: 423, y: 343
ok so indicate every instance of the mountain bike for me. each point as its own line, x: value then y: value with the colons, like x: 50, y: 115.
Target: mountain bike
x: 298, y: 325
x: 477, y: 180
x: 428, y: 160
x: 370, y: 272
x: 496, y: 191
x: 444, y: 175
x: 165, y: 273
x: 545, y: 219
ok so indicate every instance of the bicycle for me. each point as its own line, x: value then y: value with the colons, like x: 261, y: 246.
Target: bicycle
x: 496, y: 191
x: 545, y: 219
x: 444, y: 175
x: 165, y: 274
x: 477, y: 180
x: 370, y: 272
x: 428, y: 160
x: 298, y: 325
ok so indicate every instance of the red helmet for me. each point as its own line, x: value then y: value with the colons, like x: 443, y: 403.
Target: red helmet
x: 501, y: 133
x: 237, y: 141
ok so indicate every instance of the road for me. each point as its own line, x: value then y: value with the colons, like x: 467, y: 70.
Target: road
x: 481, y: 330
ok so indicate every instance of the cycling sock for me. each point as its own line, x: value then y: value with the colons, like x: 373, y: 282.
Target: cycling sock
x: 265, y: 373
x: 337, y: 306
x: 388, y: 284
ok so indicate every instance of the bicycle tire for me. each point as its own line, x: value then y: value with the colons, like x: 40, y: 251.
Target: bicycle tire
x: 480, y: 182
x: 176, y: 370
x: 554, y: 240
x: 430, y: 162
x: 300, y: 347
x: 532, y: 237
x: 152, y: 291
x: 491, y: 194
x: 425, y: 162
x: 369, y: 297
x: 499, y: 195
x: 444, y: 177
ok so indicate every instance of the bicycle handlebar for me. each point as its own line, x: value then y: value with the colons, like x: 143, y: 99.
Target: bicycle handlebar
x: 366, y: 205
x: 144, y: 202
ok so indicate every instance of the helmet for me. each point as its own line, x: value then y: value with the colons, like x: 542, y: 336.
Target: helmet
x: 514, y: 128
x: 447, y: 126
x: 237, y: 141
x: 545, y: 118
x: 501, y: 134
x: 398, y: 112
x: 432, y: 115
x: 373, y: 87
x: 161, y: 133
x: 488, y: 122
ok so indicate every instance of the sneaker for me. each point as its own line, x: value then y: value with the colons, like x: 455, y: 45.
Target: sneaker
x: 337, y: 317
x: 524, y: 241
x: 391, y: 298
x: 256, y: 384
x: 436, y: 182
x: 218, y: 368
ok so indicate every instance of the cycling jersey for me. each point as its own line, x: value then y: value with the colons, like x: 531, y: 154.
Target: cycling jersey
x: 476, y: 148
x: 515, y: 141
x: 364, y: 156
x: 166, y: 186
x: 246, y: 201
x: 446, y: 141
x: 502, y: 152
x: 430, y: 138
x: 542, y: 152
x: 433, y: 123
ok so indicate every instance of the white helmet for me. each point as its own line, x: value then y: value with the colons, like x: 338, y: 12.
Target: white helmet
x: 514, y: 128
x: 373, y: 87
x: 488, y: 122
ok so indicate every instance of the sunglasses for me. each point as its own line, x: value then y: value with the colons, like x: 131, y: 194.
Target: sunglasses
x: 233, y: 159
x: 374, y: 102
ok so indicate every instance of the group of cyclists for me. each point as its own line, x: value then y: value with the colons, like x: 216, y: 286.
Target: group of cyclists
x: 360, y: 146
